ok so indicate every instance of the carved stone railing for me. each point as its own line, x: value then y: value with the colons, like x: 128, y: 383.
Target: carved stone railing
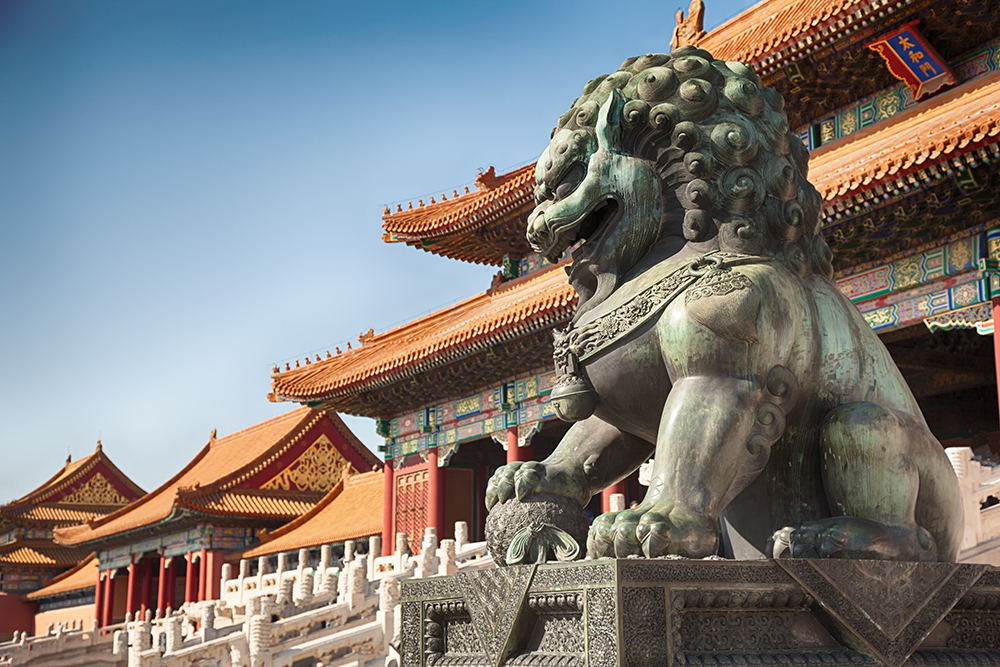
x: 451, y: 556
x: 67, y: 645
x: 341, y: 612
x: 980, y: 486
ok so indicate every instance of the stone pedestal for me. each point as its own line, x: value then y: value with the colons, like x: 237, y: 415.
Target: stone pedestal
x: 646, y: 613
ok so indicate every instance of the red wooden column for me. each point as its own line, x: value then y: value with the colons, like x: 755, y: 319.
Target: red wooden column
x: 214, y: 560
x: 146, y: 595
x: 132, y: 596
x: 171, y: 583
x: 203, y: 575
x: 388, y: 493
x: 99, y: 598
x: 996, y: 340
x: 109, y: 599
x: 190, y: 592
x: 608, y: 492
x: 161, y: 586
x: 515, y: 453
x: 435, y: 494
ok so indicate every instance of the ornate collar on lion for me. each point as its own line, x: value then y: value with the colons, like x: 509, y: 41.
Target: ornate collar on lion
x: 709, y: 275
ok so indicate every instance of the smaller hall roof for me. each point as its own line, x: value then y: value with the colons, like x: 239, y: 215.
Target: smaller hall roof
x: 352, y: 510
x: 473, y: 226
x: 516, y: 308
x: 80, y: 578
x: 82, y: 490
x: 42, y: 556
x: 226, y: 478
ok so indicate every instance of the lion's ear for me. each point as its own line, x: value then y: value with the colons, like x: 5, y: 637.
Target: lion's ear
x: 609, y: 122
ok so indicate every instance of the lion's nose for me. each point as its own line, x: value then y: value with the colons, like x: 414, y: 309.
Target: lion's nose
x: 536, y: 224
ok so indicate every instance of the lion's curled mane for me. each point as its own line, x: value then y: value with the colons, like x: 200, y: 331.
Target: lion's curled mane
x: 731, y: 171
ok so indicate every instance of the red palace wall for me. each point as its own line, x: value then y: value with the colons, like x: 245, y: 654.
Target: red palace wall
x: 82, y: 615
x: 16, y: 615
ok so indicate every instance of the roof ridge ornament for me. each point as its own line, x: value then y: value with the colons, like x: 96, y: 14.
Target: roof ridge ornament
x: 487, y: 180
x: 691, y: 29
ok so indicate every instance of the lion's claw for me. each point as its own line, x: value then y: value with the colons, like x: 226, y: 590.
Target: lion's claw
x: 518, y: 479
x: 501, y: 484
x: 653, y: 532
x: 600, y: 539
x: 526, y: 479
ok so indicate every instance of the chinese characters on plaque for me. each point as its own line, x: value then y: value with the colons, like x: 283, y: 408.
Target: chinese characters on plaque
x: 911, y: 59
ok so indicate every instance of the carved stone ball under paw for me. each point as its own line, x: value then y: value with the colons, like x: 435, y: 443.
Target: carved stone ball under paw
x: 537, y: 529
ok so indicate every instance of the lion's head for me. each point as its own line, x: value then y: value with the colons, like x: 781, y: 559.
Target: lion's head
x: 675, y: 146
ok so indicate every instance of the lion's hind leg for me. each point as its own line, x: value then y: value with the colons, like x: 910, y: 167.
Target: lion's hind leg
x: 890, y: 487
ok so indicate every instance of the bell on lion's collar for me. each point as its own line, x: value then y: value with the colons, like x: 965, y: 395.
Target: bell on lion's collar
x: 573, y: 398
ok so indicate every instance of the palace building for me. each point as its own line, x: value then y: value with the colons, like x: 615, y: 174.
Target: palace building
x: 82, y: 490
x: 169, y: 547
x: 898, y: 102
x: 67, y: 599
x: 352, y: 510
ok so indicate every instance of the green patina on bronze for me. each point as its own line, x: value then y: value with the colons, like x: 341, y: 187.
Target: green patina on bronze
x: 708, y: 333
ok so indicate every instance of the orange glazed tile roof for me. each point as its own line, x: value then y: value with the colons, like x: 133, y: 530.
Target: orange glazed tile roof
x: 80, y: 578
x: 221, y: 465
x: 44, y: 556
x: 55, y: 514
x: 58, y: 500
x: 353, y: 509
x: 241, y: 502
x: 445, y: 227
x: 513, y: 309
x: 945, y: 126
x: 775, y: 28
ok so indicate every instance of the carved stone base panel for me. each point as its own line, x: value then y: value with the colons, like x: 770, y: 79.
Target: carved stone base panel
x: 646, y: 613
x: 888, y: 608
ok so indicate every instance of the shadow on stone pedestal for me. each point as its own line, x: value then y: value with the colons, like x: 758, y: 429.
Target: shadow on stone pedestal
x: 646, y: 613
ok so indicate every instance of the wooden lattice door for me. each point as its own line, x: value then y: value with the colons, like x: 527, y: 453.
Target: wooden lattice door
x: 411, y: 504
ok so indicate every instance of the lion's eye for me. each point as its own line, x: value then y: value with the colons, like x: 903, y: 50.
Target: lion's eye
x: 570, y: 181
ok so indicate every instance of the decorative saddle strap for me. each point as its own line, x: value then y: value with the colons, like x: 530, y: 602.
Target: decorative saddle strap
x: 713, y: 274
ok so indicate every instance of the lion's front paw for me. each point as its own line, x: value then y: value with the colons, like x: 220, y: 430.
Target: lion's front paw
x: 652, y: 531
x: 522, y: 479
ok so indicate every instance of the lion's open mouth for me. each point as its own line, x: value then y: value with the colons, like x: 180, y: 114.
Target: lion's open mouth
x: 589, y: 230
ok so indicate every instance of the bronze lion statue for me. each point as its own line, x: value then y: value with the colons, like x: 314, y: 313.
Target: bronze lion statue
x: 709, y: 334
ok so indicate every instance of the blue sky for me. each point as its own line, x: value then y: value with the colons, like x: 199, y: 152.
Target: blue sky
x: 191, y: 192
